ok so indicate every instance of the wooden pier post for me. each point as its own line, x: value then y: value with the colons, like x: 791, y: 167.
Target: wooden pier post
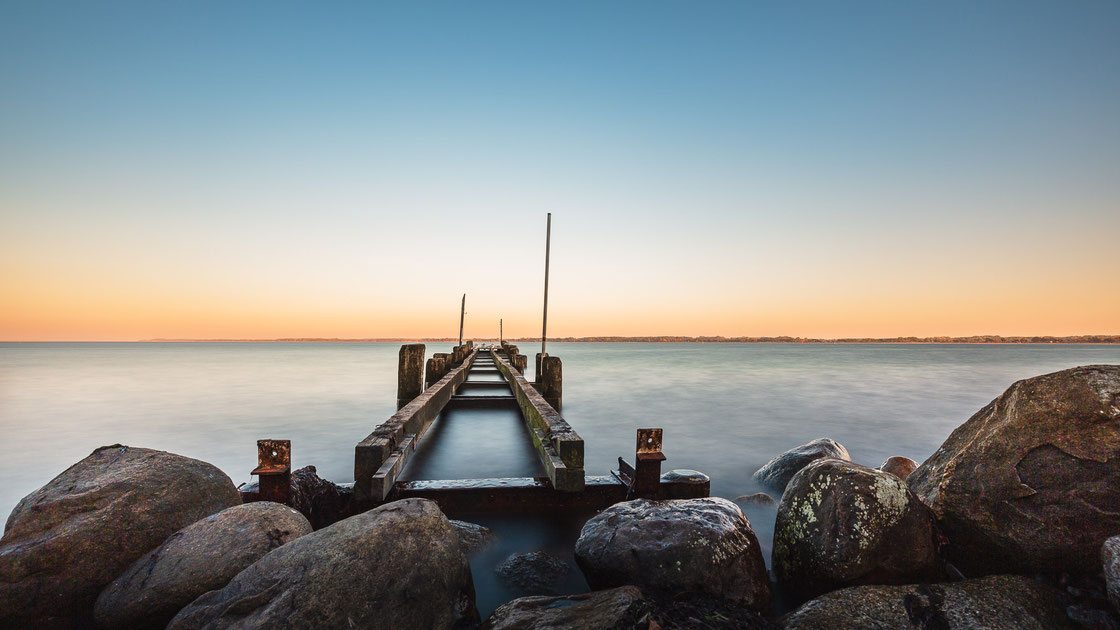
x: 520, y: 362
x: 552, y: 381
x: 410, y: 373
x: 537, y: 373
x: 433, y: 371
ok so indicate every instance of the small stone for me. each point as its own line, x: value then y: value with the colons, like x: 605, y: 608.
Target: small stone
x: 899, y: 466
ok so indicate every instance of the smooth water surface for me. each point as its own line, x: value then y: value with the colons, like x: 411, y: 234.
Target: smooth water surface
x: 726, y: 409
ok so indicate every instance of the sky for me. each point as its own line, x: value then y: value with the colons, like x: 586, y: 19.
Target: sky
x: 350, y: 169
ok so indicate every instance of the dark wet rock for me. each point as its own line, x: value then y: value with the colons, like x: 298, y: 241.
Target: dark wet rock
x: 841, y: 524
x: 684, y: 545
x: 600, y: 610
x: 473, y: 537
x: 678, y: 475
x: 758, y: 498
x: 1092, y: 618
x: 536, y: 572
x: 396, y: 566
x: 683, y: 484
x: 899, y: 466
x: 198, y: 558
x: 778, y: 471
x: 1110, y: 557
x: 1031, y: 482
x: 321, y: 501
x: 64, y: 542
x: 994, y: 603
x: 693, y: 612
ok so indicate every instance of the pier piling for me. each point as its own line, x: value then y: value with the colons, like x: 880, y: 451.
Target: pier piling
x: 410, y: 373
x: 551, y: 381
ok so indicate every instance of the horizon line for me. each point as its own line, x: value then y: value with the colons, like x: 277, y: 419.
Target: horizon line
x: 982, y: 338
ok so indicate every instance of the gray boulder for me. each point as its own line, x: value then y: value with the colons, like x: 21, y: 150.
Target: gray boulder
x: 601, y: 610
x: 201, y: 557
x: 1031, y: 482
x: 841, y: 524
x: 1003, y: 602
x: 1110, y: 557
x: 64, y: 542
x: 682, y: 545
x: 899, y: 466
x: 396, y: 566
x: 473, y: 537
x: 537, y: 572
x: 778, y: 471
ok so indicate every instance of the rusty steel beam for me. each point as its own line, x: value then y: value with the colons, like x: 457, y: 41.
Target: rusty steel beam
x: 274, y: 470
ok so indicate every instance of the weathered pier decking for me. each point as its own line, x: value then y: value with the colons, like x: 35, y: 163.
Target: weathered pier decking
x: 382, y: 457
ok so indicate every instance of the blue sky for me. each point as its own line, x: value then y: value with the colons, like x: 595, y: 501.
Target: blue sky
x: 713, y: 168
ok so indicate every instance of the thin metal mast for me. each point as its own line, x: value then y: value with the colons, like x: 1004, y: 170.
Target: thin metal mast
x: 544, y: 320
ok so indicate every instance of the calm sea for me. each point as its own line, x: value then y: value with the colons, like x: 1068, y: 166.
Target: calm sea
x: 725, y: 408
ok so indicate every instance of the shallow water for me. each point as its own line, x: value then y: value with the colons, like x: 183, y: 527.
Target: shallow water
x: 725, y: 408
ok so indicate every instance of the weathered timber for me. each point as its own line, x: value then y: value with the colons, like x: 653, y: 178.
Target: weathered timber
x: 559, y: 447
x: 412, y: 419
x: 433, y: 371
x: 551, y: 381
x: 521, y: 495
x: 520, y: 362
x: 537, y: 372
x: 410, y: 373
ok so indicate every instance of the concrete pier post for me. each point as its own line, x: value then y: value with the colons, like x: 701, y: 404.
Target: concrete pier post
x: 552, y: 381
x: 410, y: 373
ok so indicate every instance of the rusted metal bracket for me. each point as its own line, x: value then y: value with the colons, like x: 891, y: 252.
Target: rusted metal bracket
x: 643, y: 481
x: 274, y: 467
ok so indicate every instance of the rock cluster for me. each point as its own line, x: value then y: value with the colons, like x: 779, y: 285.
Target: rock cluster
x: 201, y: 557
x: 66, y: 541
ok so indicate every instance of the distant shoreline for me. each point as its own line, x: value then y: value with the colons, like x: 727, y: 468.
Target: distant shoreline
x: 977, y: 339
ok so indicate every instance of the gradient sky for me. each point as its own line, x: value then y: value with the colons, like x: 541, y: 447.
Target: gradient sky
x: 261, y: 170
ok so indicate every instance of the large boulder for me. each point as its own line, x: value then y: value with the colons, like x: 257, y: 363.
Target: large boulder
x: 841, y: 524
x: 321, y: 501
x: 681, y: 545
x: 1110, y: 558
x: 778, y: 471
x: 1031, y: 482
x: 1000, y: 602
x: 64, y: 542
x: 396, y: 566
x: 601, y: 610
x: 198, y: 558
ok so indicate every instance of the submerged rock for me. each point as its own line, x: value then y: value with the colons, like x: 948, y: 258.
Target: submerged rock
x: 601, y: 610
x: 473, y: 538
x: 395, y: 566
x: 1110, y: 557
x: 841, y: 524
x: 537, y: 572
x: 778, y: 471
x: 1031, y: 482
x: 64, y: 542
x: 997, y: 602
x: 758, y: 498
x: 899, y: 466
x: 682, y: 545
x: 198, y: 558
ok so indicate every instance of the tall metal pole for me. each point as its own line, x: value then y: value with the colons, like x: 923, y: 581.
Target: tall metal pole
x: 544, y: 320
x: 500, y: 337
x: 462, y: 315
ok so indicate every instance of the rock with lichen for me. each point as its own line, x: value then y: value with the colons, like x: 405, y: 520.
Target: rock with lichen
x: 778, y: 471
x: 841, y: 524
